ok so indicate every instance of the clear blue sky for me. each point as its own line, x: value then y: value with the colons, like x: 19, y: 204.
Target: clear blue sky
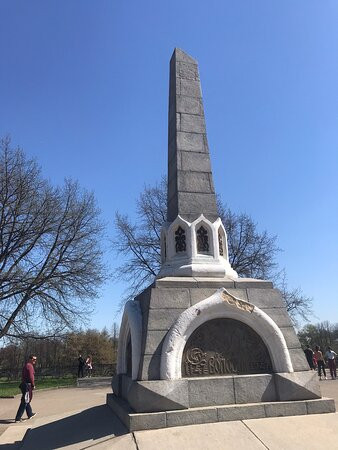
x: 84, y: 89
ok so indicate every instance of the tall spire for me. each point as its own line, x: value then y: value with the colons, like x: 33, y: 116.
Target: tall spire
x: 190, y: 185
x: 193, y: 240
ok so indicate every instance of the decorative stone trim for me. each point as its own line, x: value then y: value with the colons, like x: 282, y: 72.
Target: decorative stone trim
x: 131, y: 325
x: 222, y: 304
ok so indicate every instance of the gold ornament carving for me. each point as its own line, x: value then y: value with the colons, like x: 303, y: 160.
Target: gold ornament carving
x: 233, y: 301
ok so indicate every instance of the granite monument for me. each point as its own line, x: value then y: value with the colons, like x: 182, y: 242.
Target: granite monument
x: 202, y: 344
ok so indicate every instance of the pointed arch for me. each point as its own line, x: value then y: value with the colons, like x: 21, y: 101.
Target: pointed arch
x: 222, y: 242
x: 203, y: 241
x: 178, y: 238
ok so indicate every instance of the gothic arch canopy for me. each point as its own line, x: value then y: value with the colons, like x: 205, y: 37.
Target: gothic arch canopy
x: 222, y: 304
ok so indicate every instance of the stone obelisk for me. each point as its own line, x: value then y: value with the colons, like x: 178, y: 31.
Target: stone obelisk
x: 190, y: 185
x: 201, y: 344
x: 194, y: 241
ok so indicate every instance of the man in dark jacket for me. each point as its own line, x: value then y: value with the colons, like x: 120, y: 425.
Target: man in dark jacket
x: 309, y: 356
x: 27, y: 385
x: 81, y: 366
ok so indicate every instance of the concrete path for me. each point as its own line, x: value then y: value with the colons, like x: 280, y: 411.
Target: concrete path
x: 76, y: 418
x: 70, y: 416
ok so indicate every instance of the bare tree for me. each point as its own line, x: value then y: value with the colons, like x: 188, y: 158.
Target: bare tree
x: 140, y: 244
x: 298, y: 305
x: 50, y: 256
x: 323, y: 334
x: 252, y: 253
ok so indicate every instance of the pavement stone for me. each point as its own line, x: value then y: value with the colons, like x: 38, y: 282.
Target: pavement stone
x: 311, y: 432
x: 126, y: 442
x: 71, y: 417
x: 12, y: 436
x: 224, y: 436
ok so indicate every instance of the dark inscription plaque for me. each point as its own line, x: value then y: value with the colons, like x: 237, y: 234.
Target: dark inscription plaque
x: 222, y: 347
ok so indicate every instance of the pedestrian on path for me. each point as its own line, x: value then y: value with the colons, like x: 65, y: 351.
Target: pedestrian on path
x: 330, y: 355
x: 320, y: 362
x: 81, y: 366
x: 26, y: 386
x: 309, y: 356
x: 89, y: 365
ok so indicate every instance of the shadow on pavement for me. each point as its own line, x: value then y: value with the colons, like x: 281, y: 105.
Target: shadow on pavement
x: 14, y: 446
x: 94, y: 424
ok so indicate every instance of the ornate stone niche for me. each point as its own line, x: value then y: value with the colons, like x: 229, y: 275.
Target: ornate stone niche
x: 196, y: 248
x: 180, y: 241
x: 202, y: 239
x: 222, y: 242
x: 223, y: 347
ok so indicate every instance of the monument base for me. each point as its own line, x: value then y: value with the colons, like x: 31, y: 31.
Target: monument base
x: 178, y: 348
x: 166, y: 395
x: 220, y: 413
x: 161, y: 305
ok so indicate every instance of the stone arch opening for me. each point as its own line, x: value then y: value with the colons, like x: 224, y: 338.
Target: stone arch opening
x: 202, y: 239
x: 128, y: 357
x: 129, y: 349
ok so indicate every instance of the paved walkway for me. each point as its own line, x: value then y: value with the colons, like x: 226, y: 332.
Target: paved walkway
x: 64, y: 417
x: 75, y: 418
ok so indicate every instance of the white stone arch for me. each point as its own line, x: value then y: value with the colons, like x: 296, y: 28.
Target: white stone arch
x: 203, y: 221
x: 222, y: 304
x: 131, y: 325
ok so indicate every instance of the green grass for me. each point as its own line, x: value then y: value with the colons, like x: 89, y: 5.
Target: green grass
x: 9, y: 388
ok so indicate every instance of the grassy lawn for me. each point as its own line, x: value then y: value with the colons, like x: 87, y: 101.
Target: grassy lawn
x: 8, y: 388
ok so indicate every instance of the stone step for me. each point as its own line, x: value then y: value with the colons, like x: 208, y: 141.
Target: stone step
x: 191, y: 416
x: 93, y: 382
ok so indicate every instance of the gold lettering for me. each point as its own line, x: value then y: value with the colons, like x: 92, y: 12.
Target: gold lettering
x: 211, y: 366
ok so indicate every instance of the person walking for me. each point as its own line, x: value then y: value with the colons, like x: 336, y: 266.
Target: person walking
x: 309, y: 356
x: 27, y: 385
x: 330, y: 355
x: 81, y: 366
x: 89, y: 365
x: 320, y: 363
